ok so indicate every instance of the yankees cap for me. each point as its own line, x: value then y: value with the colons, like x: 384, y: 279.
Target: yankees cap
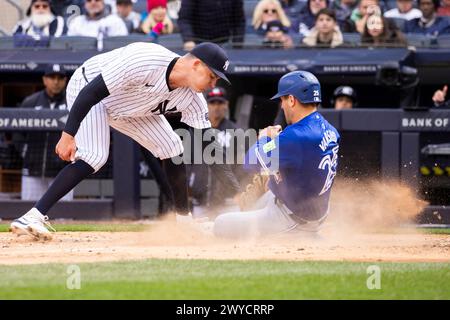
x: 214, y: 57
x: 54, y: 69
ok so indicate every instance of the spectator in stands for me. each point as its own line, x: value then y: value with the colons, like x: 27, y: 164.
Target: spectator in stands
x: 439, y: 98
x: 405, y: 10
x: 66, y: 8
x: 216, y: 21
x: 430, y: 24
x: 131, y: 18
x: 444, y: 9
x: 343, y: 10
x: 277, y: 36
x: 157, y: 18
x: 326, y: 32
x: 307, y: 17
x: 41, y: 21
x: 344, y: 97
x: 40, y: 163
x: 292, y: 8
x: 362, y: 13
x: 97, y: 21
x: 206, y: 189
x: 267, y: 11
x: 380, y: 32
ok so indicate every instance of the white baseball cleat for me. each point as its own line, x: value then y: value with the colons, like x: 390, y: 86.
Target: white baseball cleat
x: 32, y: 223
x: 201, y: 224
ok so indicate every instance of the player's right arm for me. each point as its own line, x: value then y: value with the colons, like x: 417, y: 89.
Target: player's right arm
x: 94, y: 92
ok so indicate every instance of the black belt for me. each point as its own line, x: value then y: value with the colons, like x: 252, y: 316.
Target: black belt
x: 83, y: 71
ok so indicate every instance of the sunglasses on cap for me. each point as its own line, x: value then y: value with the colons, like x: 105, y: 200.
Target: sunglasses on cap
x: 273, y: 11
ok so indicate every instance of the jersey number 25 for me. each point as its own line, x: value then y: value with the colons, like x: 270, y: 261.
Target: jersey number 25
x: 331, y: 164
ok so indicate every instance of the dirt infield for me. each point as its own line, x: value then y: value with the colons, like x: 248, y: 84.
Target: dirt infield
x: 363, y: 226
x: 165, y: 241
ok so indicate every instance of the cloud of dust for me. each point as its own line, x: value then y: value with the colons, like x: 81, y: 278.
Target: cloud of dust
x: 167, y: 232
x: 371, y: 205
x: 357, y: 206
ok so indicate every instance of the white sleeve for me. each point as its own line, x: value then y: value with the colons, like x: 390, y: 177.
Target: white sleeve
x: 196, y: 114
x: 115, y: 26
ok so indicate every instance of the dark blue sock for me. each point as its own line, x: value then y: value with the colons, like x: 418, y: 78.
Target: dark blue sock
x: 66, y: 180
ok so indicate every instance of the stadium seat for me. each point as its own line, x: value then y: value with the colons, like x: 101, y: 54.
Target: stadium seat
x: 111, y: 43
x: 352, y: 39
x: 253, y: 40
x: 249, y: 6
x: 418, y: 40
x: 399, y: 22
x: 171, y: 41
x: 6, y: 43
x: 74, y: 43
x: 297, y: 39
x: 444, y: 41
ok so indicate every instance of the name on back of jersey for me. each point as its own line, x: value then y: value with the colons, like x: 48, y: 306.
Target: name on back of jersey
x: 329, y: 137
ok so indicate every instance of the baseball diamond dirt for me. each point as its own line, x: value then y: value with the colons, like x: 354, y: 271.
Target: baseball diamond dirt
x: 370, y: 221
x: 107, y: 246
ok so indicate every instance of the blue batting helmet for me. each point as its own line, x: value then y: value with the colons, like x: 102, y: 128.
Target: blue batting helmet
x: 301, y: 84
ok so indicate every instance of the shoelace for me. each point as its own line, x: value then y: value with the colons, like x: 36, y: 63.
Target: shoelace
x: 48, y: 224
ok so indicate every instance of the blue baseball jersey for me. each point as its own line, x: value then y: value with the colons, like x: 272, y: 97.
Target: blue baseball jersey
x: 302, y: 161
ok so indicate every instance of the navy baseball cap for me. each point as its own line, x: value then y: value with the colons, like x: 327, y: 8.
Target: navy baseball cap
x: 214, y: 57
x: 216, y: 94
x: 55, y: 69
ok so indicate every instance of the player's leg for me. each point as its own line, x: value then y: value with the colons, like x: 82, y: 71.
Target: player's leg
x: 155, y: 134
x: 166, y: 199
x: 270, y: 220
x: 177, y: 177
x: 92, y: 142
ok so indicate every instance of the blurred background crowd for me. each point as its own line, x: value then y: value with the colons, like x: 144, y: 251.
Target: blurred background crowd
x: 271, y: 23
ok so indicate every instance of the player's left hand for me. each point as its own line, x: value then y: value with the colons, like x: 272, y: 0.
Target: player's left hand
x: 270, y: 131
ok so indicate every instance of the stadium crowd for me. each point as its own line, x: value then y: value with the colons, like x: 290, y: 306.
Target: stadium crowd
x: 271, y: 23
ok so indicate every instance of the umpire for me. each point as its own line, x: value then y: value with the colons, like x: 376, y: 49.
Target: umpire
x: 40, y: 163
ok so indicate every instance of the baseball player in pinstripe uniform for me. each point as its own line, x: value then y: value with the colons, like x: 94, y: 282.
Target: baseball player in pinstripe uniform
x: 129, y: 89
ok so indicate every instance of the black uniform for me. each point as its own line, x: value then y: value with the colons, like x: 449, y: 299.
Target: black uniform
x: 212, y: 20
x: 206, y: 188
x: 38, y: 149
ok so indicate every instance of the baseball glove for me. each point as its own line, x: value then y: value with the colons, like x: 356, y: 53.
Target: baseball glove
x: 253, y: 192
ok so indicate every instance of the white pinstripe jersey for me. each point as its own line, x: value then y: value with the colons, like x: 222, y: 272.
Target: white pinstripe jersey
x: 135, y: 76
